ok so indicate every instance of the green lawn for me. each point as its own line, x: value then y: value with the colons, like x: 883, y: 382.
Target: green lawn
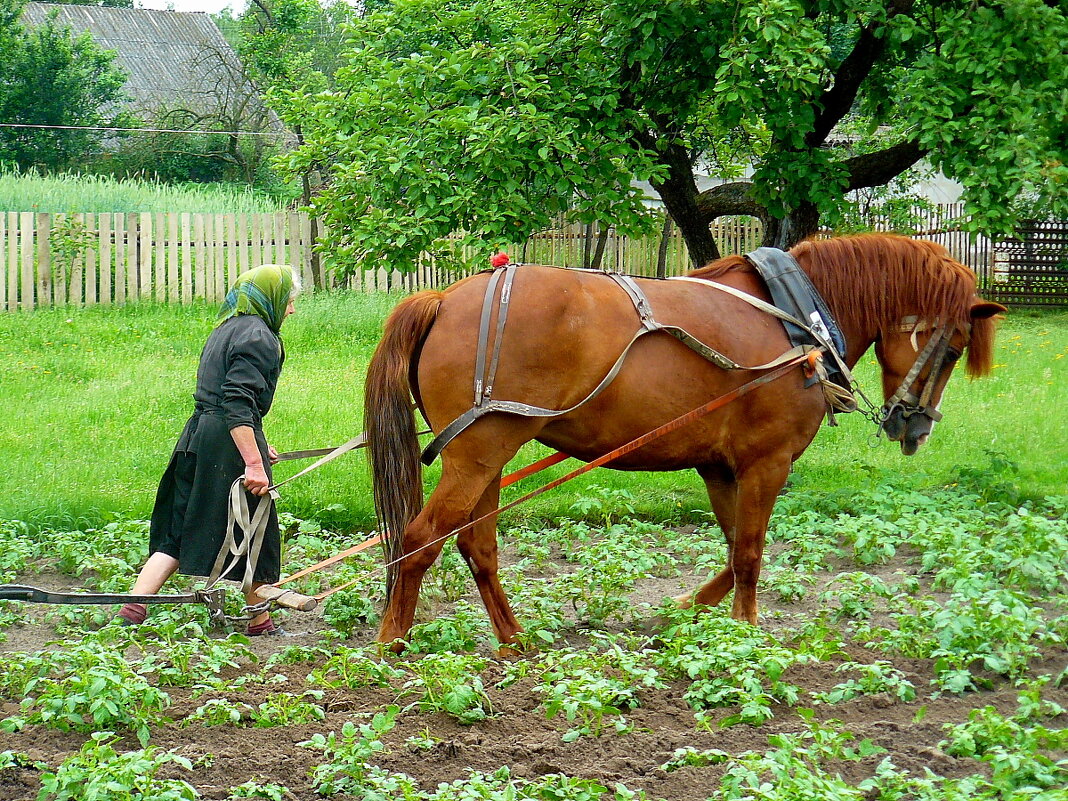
x: 95, y: 398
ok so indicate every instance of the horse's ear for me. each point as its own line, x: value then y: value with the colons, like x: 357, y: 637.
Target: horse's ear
x: 983, y: 309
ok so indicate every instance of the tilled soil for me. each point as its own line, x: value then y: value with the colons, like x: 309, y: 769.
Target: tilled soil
x: 519, y: 735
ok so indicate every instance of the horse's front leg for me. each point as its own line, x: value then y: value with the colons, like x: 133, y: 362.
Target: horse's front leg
x: 758, y: 488
x: 478, y: 546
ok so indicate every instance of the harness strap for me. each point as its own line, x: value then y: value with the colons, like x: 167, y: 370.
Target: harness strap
x: 775, y: 311
x: 938, y: 342
x: 484, y: 404
x: 502, y: 317
x: 453, y: 429
x: 253, y: 528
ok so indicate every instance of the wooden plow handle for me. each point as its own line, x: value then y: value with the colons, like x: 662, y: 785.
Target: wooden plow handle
x: 287, y: 598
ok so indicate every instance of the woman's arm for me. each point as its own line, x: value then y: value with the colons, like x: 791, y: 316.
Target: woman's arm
x: 255, y: 475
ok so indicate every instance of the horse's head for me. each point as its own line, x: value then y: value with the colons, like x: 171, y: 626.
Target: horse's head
x: 917, y: 358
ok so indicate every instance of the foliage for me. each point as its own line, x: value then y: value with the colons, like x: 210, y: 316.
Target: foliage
x: 32, y: 190
x: 450, y: 683
x: 99, y: 773
x: 354, y: 668
x: 254, y: 789
x: 51, y: 77
x: 87, y: 688
x: 876, y: 677
x: 492, y: 116
x: 219, y: 712
x: 347, y: 769
x: 459, y: 632
x: 288, y: 709
x: 793, y: 767
x: 194, y: 659
x: 347, y: 611
x: 588, y: 685
x: 731, y: 664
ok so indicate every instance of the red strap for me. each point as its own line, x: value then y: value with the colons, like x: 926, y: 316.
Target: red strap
x: 508, y: 480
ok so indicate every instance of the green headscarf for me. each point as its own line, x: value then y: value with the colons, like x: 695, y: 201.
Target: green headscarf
x: 264, y: 291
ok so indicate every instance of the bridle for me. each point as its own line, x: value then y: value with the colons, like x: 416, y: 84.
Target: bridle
x: 935, y: 353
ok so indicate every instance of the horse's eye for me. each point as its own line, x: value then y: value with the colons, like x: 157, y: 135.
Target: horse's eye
x: 953, y: 354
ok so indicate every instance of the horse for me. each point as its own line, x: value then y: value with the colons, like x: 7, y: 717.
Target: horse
x: 565, y: 330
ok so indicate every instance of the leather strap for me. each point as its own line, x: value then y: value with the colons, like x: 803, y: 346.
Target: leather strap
x: 649, y: 325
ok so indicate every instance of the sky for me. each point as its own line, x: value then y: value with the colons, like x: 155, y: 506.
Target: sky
x: 208, y: 6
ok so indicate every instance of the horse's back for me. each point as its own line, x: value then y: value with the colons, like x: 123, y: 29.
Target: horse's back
x: 565, y: 329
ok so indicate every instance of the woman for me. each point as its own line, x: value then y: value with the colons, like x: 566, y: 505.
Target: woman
x: 222, y: 441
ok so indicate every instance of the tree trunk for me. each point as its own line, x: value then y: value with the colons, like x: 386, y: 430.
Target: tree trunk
x: 693, y: 226
x: 661, y: 254
x: 587, y: 245
x: 318, y: 279
x: 786, y: 232
x: 602, y: 240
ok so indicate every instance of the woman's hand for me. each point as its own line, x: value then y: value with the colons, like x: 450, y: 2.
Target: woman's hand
x: 256, y: 479
x: 272, y: 454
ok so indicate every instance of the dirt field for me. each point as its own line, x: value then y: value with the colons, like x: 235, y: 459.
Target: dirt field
x: 434, y: 747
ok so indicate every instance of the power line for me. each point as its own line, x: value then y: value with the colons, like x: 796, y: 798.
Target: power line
x: 138, y: 130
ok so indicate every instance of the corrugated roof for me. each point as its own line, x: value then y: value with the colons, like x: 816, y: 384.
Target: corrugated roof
x: 174, y: 59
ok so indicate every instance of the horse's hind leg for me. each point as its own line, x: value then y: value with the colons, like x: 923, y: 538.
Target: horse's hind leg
x: 478, y: 546
x: 723, y: 495
x: 449, y: 507
x: 758, y: 488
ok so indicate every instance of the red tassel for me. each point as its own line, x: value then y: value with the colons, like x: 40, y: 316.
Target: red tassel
x: 500, y: 259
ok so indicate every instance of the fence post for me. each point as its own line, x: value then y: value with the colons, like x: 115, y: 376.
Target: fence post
x: 42, y: 222
x: 104, y: 226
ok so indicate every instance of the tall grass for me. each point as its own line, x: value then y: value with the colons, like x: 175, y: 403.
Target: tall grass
x: 93, y: 194
x: 94, y: 399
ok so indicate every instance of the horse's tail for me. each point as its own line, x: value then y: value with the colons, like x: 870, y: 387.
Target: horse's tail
x: 389, y: 421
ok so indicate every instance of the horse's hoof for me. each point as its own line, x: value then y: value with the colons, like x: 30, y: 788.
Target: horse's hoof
x: 510, y: 651
x: 683, y: 601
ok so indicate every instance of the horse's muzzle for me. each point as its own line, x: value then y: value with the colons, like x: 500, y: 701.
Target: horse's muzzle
x: 911, y: 426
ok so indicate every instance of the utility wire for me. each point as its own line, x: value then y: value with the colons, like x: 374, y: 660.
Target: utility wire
x: 141, y: 130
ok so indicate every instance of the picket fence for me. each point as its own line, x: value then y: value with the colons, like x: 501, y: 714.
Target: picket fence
x: 88, y: 259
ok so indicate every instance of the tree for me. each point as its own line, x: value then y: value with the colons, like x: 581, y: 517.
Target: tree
x: 292, y: 49
x: 493, y: 115
x: 49, y: 77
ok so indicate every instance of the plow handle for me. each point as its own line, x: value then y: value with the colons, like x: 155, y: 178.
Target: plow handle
x: 287, y: 598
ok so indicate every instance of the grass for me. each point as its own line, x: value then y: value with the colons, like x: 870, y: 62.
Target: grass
x: 90, y: 194
x: 96, y: 398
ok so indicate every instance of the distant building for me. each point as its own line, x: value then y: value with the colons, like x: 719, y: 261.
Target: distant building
x: 179, y: 65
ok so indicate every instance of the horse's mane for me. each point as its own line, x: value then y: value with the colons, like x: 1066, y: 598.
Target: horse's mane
x: 873, y: 279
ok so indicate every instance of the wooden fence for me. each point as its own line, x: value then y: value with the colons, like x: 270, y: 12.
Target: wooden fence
x: 87, y: 259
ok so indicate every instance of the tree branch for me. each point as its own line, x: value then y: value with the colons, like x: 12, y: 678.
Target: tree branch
x: 729, y: 199
x: 875, y: 169
x: 854, y: 69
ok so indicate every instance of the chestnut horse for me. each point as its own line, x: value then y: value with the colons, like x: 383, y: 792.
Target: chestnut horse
x: 565, y: 330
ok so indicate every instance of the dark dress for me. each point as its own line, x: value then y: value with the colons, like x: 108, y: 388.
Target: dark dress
x: 236, y: 380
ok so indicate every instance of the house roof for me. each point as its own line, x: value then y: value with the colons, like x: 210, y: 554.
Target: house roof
x: 173, y: 59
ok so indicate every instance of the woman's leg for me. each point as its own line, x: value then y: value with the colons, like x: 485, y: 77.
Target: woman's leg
x: 258, y: 623
x: 150, y: 580
x: 154, y: 574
